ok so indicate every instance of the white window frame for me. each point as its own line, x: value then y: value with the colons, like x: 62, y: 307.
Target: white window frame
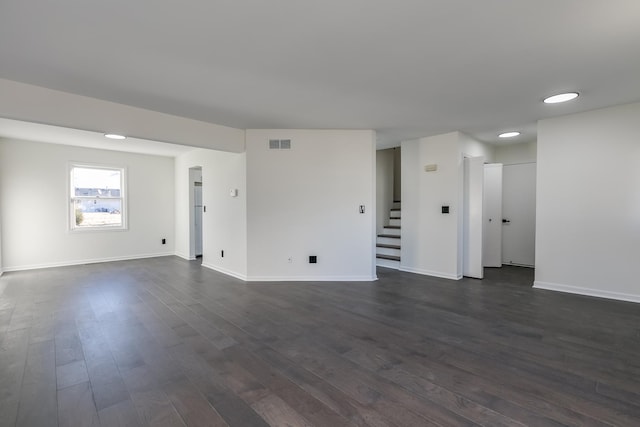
x: 72, y: 198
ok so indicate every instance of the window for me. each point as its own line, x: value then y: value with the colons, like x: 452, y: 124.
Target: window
x: 97, y: 197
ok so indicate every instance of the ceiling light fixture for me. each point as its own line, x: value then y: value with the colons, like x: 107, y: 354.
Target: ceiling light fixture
x: 561, y: 97
x: 114, y: 136
x: 508, y: 134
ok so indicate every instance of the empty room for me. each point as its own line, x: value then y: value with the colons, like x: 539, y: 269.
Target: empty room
x: 340, y: 213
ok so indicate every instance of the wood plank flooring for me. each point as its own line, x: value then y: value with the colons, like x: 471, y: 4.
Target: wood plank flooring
x: 164, y: 342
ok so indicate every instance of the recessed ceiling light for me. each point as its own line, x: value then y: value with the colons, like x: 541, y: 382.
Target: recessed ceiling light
x: 561, y: 97
x: 508, y: 134
x: 114, y: 136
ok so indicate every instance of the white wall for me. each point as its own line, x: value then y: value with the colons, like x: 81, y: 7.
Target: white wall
x: 472, y: 148
x: 1, y: 265
x: 525, y: 152
x: 588, y: 203
x: 430, y: 238
x: 304, y: 201
x: 224, y: 224
x: 34, y: 211
x: 432, y: 241
x: 385, y: 183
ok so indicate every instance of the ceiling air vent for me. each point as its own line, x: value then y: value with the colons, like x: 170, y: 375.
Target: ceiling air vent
x: 279, y: 144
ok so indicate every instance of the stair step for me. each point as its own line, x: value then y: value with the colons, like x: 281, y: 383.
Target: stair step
x: 385, y: 245
x: 394, y: 227
x: 393, y: 231
x: 387, y: 263
x: 390, y: 236
x: 395, y: 209
x: 393, y: 240
x: 388, y: 251
x: 394, y: 217
x: 389, y: 257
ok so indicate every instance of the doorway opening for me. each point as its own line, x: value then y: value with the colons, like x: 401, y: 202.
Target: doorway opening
x: 196, y: 209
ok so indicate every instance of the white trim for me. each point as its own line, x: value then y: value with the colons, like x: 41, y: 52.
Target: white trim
x: 225, y: 271
x: 124, y: 191
x: 86, y: 261
x: 586, y: 291
x: 430, y: 273
x: 312, y: 278
x: 183, y: 256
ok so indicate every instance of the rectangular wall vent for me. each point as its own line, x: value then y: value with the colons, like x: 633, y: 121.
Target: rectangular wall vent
x: 279, y: 144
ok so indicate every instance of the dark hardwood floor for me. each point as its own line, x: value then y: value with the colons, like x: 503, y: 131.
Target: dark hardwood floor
x: 164, y: 342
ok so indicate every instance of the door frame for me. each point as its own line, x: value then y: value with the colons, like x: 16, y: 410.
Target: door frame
x: 195, y: 175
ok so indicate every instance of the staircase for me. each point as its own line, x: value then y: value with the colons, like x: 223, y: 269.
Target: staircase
x: 388, y: 242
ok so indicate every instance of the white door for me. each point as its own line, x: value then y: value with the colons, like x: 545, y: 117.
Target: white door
x: 472, y: 217
x: 197, y: 211
x: 519, y: 213
x: 492, y: 224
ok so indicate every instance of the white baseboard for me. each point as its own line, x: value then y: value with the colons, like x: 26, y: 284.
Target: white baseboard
x: 430, y: 273
x: 183, y: 256
x: 85, y: 261
x: 586, y: 291
x: 225, y: 271
x: 312, y: 278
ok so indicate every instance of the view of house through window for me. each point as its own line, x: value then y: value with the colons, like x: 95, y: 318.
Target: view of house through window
x: 97, y: 197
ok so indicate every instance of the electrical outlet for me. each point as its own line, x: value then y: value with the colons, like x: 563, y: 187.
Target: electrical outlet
x: 313, y: 259
x: 290, y: 260
x: 222, y: 254
x: 164, y: 241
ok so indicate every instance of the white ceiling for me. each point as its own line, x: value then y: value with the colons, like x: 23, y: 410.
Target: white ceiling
x: 407, y: 68
x: 82, y: 138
